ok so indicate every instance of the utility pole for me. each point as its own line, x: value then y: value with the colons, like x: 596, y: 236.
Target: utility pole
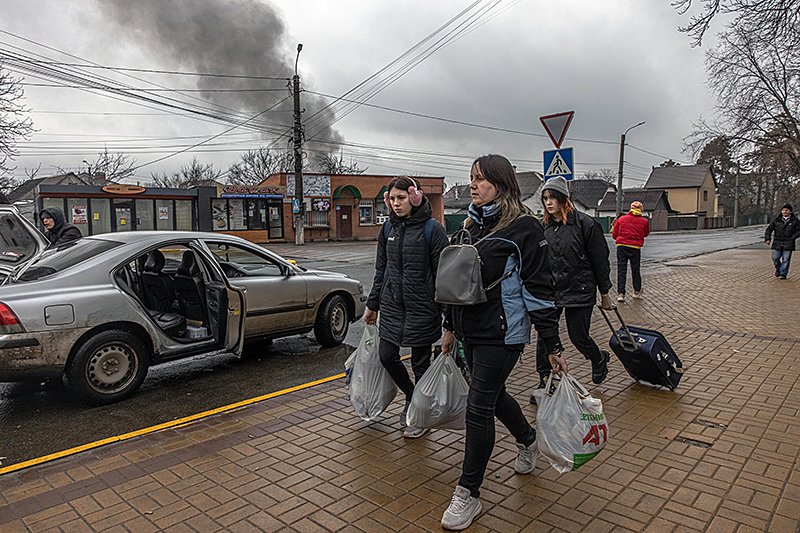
x: 736, y: 198
x: 621, y: 161
x: 298, y: 157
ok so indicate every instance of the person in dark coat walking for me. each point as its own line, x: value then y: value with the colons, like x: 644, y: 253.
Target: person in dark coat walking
x: 786, y: 227
x: 579, y: 259
x: 403, y: 288
x: 58, y: 231
x: 513, y: 255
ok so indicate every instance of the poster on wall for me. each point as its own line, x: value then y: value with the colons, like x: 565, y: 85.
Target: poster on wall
x: 219, y: 213
x: 79, y: 215
x: 163, y: 213
x: 312, y: 186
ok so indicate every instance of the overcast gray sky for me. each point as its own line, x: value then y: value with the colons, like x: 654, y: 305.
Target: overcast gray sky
x: 615, y: 63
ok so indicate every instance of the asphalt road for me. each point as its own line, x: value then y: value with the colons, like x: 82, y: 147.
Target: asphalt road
x: 42, y: 418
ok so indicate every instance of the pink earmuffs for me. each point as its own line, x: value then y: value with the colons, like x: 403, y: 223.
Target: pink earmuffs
x: 415, y: 196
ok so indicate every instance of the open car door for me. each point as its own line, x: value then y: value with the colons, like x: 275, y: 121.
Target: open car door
x: 227, y: 307
x: 20, y: 241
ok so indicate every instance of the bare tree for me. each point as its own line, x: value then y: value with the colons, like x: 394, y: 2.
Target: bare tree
x: 768, y: 19
x: 190, y: 175
x: 115, y: 167
x: 14, y: 125
x: 609, y: 175
x: 330, y: 164
x: 255, y: 166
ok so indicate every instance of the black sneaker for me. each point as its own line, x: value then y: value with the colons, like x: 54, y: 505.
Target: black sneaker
x: 600, y: 368
x: 542, y: 384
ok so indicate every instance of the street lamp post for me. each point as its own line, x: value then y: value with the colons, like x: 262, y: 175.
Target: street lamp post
x: 621, y: 160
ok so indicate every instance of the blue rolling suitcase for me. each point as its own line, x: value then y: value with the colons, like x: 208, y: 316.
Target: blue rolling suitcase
x: 645, y: 354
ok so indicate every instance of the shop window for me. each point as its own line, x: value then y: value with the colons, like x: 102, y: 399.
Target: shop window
x: 365, y: 210
x: 219, y: 214
x: 77, y: 214
x: 381, y: 211
x: 317, y: 211
x: 236, y: 215
x: 101, y: 215
x: 183, y: 215
x: 257, y: 214
x: 275, y: 221
x: 317, y: 218
x: 144, y: 215
x: 165, y: 215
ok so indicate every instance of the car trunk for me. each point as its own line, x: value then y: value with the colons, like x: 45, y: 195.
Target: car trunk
x: 20, y: 241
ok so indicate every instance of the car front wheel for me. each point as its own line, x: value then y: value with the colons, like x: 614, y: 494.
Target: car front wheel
x: 108, y: 367
x: 333, y: 321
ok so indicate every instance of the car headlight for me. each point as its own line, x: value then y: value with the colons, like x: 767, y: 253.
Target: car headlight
x: 360, y: 288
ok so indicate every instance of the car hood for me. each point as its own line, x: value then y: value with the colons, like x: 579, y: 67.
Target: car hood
x: 20, y: 241
x: 326, y: 274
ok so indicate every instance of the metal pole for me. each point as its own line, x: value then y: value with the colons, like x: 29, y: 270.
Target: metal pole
x: 298, y: 157
x: 619, y: 174
x: 621, y: 161
x: 736, y: 199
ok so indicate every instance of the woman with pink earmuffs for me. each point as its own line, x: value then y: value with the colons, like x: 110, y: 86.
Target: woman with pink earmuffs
x: 409, y: 245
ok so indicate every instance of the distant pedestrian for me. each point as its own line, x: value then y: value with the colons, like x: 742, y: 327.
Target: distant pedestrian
x: 579, y: 258
x: 629, y: 232
x: 409, y: 245
x: 58, y: 231
x: 786, y: 227
x: 513, y: 255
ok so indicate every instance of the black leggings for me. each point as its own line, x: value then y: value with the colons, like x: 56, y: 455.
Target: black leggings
x: 390, y: 359
x: 490, y: 366
x: 634, y: 255
x: 579, y: 319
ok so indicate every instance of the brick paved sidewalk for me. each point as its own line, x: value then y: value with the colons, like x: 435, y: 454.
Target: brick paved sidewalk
x: 718, y: 454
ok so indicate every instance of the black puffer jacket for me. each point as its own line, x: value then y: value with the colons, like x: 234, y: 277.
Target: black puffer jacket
x: 62, y: 232
x: 405, y: 272
x: 785, y: 233
x: 579, y: 258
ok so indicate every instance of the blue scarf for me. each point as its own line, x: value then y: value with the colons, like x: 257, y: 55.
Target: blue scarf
x: 480, y: 214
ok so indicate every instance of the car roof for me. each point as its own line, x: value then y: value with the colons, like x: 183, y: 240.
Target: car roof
x: 135, y: 237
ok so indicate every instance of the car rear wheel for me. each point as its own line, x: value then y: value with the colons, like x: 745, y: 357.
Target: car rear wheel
x: 108, y: 367
x: 333, y: 321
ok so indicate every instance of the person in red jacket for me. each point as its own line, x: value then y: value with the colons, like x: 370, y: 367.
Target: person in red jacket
x: 629, y: 232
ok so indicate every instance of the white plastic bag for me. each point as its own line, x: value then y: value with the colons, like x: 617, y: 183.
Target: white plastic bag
x: 570, y: 425
x: 440, y: 397
x: 370, y: 387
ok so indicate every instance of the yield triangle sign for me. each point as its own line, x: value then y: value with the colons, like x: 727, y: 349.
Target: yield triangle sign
x: 557, y: 125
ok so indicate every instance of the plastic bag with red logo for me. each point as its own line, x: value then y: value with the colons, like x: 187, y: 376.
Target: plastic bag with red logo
x: 570, y: 425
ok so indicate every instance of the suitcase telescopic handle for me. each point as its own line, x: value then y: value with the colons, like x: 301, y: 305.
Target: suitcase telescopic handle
x: 624, y: 326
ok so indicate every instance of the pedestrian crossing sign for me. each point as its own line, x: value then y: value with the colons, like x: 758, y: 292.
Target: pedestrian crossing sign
x: 558, y: 163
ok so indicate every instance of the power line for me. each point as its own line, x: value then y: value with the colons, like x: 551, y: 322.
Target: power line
x: 156, y: 71
x: 154, y: 90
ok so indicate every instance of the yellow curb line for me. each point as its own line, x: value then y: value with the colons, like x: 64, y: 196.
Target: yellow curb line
x: 165, y: 425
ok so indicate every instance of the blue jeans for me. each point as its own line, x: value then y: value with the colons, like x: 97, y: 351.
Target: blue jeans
x: 781, y: 259
x: 490, y: 366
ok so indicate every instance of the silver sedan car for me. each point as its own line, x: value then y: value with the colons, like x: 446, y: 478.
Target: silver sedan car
x: 103, y: 309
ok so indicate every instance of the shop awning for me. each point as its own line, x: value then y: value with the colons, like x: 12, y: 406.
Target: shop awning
x: 352, y: 188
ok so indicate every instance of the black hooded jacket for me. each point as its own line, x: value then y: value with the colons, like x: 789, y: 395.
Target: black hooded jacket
x: 405, y: 275
x: 61, y: 232
x: 786, y: 232
x: 579, y: 258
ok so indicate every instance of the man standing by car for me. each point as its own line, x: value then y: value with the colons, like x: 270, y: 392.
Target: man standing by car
x: 58, y: 231
x: 787, y: 229
x: 629, y: 232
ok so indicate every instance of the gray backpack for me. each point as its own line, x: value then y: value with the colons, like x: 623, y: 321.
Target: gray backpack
x: 458, y: 278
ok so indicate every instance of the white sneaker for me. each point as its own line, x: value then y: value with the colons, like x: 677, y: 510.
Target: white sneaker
x: 621, y: 297
x: 414, y: 433
x: 526, y: 458
x: 462, y: 511
x: 637, y: 294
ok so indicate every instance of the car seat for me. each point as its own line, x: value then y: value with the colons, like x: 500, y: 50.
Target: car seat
x: 190, y: 288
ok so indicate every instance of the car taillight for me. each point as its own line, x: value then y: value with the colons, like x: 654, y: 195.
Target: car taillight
x: 9, y: 323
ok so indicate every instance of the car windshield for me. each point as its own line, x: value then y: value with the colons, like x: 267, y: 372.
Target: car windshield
x: 16, y: 242
x: 66, y: 256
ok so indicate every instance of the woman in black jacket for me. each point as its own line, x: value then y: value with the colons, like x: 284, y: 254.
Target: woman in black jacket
x: 403, y: 288
x: 58, y: 231
x: 513, y: 251
x: 579, y: 258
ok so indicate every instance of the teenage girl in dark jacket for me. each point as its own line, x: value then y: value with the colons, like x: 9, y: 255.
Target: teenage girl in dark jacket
x: 512, y: 248
x: 579, y: 258
x: 403, y: 288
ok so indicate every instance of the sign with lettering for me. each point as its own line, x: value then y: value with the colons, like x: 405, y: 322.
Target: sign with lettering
x: 255, y: 191
x: 122, y: 188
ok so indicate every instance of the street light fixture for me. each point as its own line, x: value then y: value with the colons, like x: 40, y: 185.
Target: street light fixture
x: 621, y: 160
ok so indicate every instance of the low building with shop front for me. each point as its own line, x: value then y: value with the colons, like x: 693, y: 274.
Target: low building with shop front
x: 345, y: 207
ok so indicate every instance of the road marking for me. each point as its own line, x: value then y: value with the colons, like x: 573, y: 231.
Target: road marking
x: 164, y: 425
